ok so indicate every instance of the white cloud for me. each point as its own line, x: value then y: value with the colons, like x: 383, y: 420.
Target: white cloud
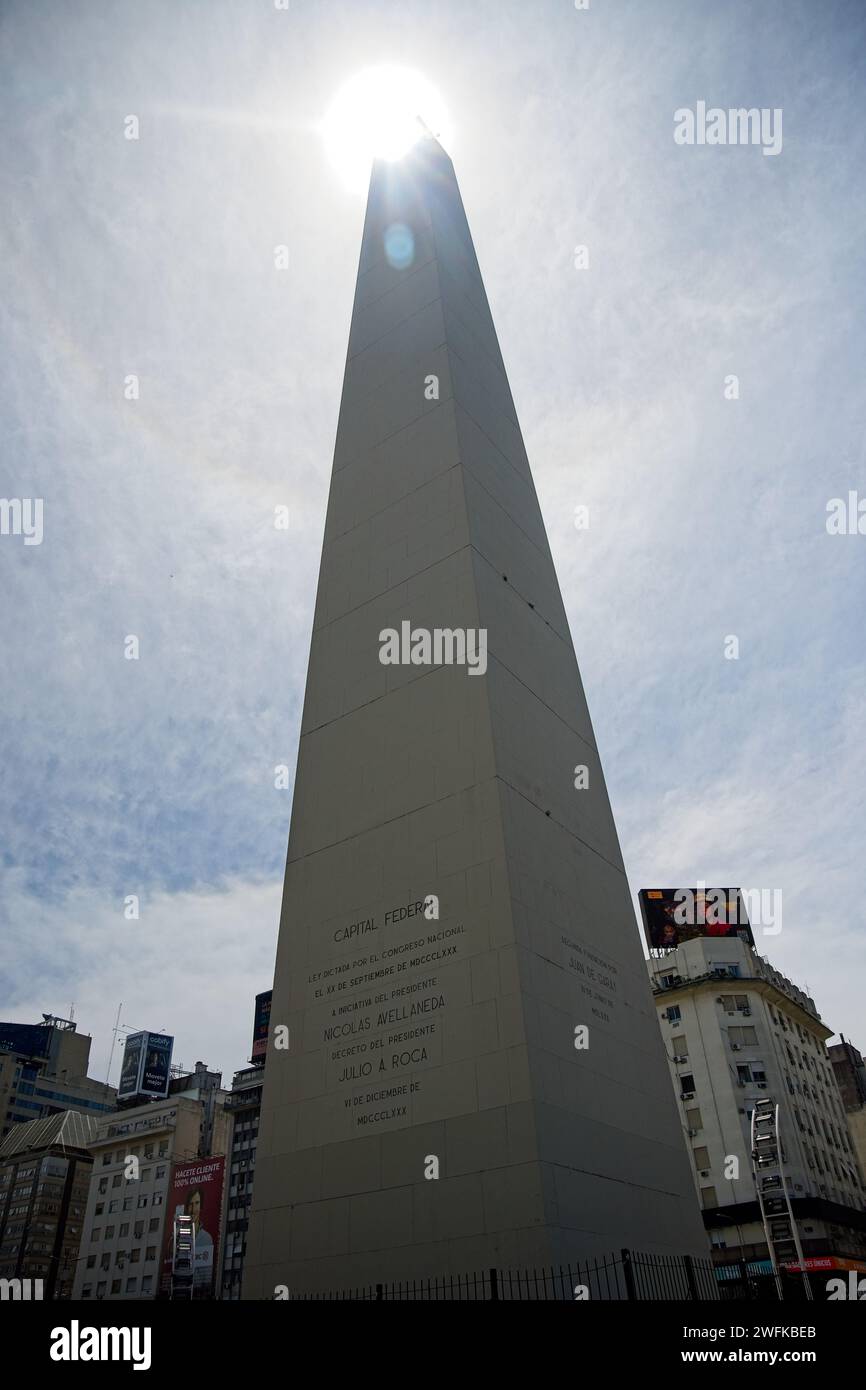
x: 190, y: 966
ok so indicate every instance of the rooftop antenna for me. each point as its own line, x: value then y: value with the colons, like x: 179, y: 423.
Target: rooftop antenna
x: 113, y: 1041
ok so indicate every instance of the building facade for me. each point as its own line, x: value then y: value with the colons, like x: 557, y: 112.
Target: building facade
x: 205, y: 1087
x: 737, y: 1031
x: 45, y: 1170
x: 244, y: 1104
x: 135, y: 1154
x: 850, y: 1073
x: 43, y: 1071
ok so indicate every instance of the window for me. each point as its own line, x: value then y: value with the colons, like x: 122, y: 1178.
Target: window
x: 105, y: 1262
x: 103, y: 1185
x: 154, y: 1224
x: 150, y: 1253
x: 160, y: 1173
x: 135, y: 1255
x: 148, y: 1151
x: 687, y: 1082
x: 109, y: 1233
x: 115, y: 1286
x: 147, y: 1283
x: 708, y: 1197
x: 100, y: 1208
x: 116, y: 1180
x: 701, y: 1157
x: 100, y: 1289
x: 128, y: 1203
x: 146, y: 1174
x: 124, y: 1230
x: 163, y: 1149
x: 744, y: 1075
x: 113, y: 1206
x: 91, y: 1261
x: 693, y: 1118
x: 106, y: 1159
x: 139, y: 1230
x: 142, y: 1201
x: 679, y: 1045
x: 97, y: 1234
x: 132, y: 1286
x: 157, y: 1199
x: 87, y: 1291
x: 674, y: 1013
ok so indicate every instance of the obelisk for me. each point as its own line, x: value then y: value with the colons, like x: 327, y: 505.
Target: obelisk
x: 465, y: 1068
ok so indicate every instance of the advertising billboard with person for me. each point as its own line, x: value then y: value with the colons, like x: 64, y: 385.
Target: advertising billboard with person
x: 196, y: 1192
x: 673, y: 915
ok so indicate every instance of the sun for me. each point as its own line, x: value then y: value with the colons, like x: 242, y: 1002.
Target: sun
x: 380, y: 113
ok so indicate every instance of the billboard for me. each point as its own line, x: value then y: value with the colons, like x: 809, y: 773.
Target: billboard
x: 130, y: 1070
x: 157, y: 1063
x: 196, y: 1191
x: 261, y: 1024
x: 146, y: 1065
x: 673, y: 915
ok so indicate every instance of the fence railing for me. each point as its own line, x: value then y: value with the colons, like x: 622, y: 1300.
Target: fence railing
x: 628, y: 1276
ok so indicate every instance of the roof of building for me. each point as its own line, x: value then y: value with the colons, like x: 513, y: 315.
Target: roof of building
x: 70, y: 1129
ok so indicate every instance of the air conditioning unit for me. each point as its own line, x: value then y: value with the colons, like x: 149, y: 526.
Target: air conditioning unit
x: 681, y: 1059
x: 687, y: 1095
x: 705, y: 1172
x: 691, y: 1133
x: 735, y: 1047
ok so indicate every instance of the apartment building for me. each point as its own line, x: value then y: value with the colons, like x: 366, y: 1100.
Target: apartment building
x: 45, y: 1169
x: 135, y: 1154
x: 850, y: 1073
x: 736, y: 1031
x: 43, y: 1071
x: 244, y: 1105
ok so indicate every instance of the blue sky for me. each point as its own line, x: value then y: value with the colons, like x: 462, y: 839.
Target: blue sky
x: 707, y: 516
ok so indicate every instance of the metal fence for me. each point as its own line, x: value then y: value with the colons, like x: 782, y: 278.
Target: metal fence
x: 628, y: 1276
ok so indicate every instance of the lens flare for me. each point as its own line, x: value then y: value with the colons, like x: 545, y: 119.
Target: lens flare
x: 379, y: 114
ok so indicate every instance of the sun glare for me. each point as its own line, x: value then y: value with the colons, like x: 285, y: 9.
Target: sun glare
x: 378, y: 114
